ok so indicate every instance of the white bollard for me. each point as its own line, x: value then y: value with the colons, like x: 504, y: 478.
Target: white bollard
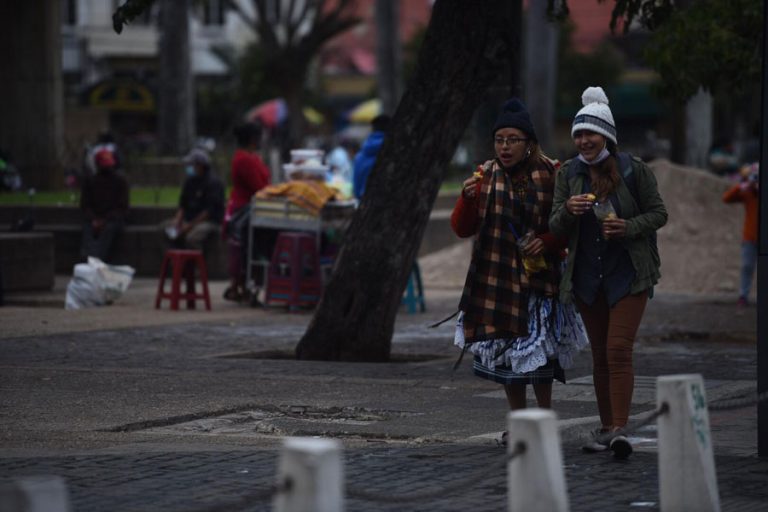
x: 687, y: 478
x: 35, y: 494
x: 312, y: 471
x: 535, y: 479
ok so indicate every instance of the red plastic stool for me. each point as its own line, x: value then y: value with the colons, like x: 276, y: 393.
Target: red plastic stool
x: 294, y: 276
x: 183, y: 262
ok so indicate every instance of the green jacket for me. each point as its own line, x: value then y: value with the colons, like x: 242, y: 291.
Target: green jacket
x: 642, y: 221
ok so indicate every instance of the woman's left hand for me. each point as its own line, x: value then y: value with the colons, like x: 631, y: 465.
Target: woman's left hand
x: 614, y: 228
x: 534, y: 247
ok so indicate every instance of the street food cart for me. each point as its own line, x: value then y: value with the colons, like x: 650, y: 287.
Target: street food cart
x: 283, y: 214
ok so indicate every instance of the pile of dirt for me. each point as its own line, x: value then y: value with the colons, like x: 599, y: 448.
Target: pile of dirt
x: 699, y: 246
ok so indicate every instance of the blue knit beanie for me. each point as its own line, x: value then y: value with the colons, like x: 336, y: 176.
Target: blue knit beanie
x: 514, y: 115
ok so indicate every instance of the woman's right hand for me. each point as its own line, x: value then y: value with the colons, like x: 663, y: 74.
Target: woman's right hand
x: 469, y: 188
x: 579, y: 204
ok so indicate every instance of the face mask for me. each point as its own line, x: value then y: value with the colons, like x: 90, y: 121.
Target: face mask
x: 190, y: 170
x: 599, y: 158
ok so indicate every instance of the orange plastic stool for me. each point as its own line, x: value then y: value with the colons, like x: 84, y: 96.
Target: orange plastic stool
x: 294, y: 276
x: 183, y: 262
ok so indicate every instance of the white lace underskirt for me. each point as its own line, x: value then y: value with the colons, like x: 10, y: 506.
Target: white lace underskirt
x: 552, y: 334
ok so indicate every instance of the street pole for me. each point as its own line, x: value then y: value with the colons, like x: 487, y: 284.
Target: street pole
x: 762, y: 260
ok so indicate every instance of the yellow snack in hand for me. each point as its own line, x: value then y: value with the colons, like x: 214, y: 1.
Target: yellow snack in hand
x: 534, y: 264
x: 477, y: 174
x: 611, y: 216
x: 591, y: 197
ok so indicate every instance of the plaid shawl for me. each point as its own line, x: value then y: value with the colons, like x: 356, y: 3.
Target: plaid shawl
x: 496, y: 291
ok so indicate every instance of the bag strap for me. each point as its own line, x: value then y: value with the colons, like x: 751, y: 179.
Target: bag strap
x: 628, y: 173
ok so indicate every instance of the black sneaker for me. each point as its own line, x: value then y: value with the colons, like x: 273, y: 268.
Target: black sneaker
x: 595, y: 444
x: 620, y: 447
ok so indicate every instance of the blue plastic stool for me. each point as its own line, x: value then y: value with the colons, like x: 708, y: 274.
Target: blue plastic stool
x: 414, y: 292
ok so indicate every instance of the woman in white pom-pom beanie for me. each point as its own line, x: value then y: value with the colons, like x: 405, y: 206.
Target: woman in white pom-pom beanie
x: 608, y: 205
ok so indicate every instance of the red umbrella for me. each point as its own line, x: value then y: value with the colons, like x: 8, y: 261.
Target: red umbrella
x: 270, y: 113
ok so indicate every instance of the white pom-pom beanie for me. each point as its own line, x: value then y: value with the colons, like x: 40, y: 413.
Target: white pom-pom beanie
x: 595, y: 116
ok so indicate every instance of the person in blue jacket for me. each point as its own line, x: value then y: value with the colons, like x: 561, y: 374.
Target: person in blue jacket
x: 366, y: 157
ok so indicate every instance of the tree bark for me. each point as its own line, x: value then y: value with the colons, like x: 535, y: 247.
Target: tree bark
x: 541, y: 81
x: 464, y: 49
x: 31, y: 97
x: 388, y: 55
x: 176, y: 101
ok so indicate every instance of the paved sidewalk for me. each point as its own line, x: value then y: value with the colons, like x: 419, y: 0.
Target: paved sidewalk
x: 141, y: 409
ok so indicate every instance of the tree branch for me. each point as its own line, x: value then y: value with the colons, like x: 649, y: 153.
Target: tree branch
x: 128, y: 12
x: 291, y: 26
x: 329, y: 26
x: 267, y: 37
x: 246, y: 17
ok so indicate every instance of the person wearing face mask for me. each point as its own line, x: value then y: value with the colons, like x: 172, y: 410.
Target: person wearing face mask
x: 201, y: 204
x: 510, y: 319
x: 613, y: 262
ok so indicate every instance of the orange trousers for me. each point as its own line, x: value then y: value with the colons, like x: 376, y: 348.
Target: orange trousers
x: 611, y: 332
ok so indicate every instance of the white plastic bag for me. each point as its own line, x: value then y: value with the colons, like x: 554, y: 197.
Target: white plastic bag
x: 96, y: 283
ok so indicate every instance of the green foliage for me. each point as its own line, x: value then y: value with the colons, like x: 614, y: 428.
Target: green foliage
x: 577, y: 70
x: 714, y: 44
x: 650, y: 13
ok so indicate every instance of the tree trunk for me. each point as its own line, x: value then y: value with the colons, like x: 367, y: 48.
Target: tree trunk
x: 505, y: 85
x: 31, y: 97
x: 389, y: 63
x: 464, y: 49
x: 698, y: 130
x: 294, y: 102
x: 288, y: 70
x: 541, y: 81
x: 176, y: 108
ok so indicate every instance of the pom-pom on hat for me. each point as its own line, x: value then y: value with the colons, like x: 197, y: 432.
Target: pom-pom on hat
x: 514, y: 115
x: 596, y: 115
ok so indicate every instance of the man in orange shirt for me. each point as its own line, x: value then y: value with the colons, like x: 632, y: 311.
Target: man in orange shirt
x: 746, y: 192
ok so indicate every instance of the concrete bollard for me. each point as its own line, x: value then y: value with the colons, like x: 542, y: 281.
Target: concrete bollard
x: 312, y: 472
x: 687, y: 478
x: 535, y: 479
x: 35, y: 494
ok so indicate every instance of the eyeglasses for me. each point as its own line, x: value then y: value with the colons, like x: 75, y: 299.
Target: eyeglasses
x: 503, y: 141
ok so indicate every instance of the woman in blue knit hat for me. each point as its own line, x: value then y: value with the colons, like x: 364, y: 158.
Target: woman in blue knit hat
x: 510, y: 319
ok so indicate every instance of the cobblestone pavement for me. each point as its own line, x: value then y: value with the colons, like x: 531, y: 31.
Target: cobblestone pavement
x: 240, y: 480
x: 181, y: 416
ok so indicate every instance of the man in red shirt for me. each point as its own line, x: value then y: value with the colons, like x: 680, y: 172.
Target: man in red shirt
x: 746, y: 192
